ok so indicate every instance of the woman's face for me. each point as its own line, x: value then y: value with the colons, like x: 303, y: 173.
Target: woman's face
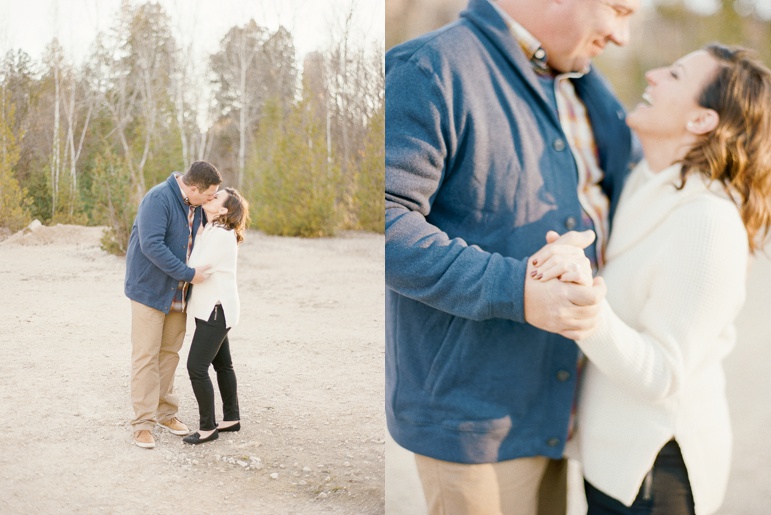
x: 669, y: 108
x: 214, y: 207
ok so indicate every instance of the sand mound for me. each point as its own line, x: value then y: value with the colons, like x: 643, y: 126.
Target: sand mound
x: 59, y: 234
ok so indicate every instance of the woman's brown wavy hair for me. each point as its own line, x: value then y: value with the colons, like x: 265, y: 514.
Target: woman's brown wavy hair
x: 737, y: 152
x: 237, y: 217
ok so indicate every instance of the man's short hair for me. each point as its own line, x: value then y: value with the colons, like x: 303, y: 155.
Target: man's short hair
x: 202, y: 175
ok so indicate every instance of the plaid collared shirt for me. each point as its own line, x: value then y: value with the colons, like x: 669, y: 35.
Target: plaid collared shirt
x: 179, y: 302
x: 578, y: 130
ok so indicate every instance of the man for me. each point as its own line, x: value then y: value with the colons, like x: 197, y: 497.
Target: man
x: 158, y: 284
x: 497, y: 131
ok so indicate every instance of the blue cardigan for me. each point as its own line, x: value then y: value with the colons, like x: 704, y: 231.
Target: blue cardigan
x: 157, y: 250
x: 477, y: 171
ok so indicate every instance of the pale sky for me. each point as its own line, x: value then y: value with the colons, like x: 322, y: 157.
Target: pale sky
x: 709, y: 6
x: 31, y: 24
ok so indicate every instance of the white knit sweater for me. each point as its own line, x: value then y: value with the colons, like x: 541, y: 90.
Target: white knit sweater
x: 215, y: 246
x: 676, y: 270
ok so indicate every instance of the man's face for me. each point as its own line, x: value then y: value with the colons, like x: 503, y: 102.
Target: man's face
x: 583, y: 28
x: 198, y: 197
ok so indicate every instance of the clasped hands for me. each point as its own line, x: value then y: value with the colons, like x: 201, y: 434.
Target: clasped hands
x: 561, y: 296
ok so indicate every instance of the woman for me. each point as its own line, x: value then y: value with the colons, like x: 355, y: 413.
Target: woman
x: 215, y: 306
x: 653, y: 429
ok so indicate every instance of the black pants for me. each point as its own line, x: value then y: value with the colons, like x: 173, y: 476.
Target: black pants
x: 210, y: 347
x: 666, y: 490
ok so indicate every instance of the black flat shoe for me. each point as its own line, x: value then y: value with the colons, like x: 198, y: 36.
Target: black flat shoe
x: 195, y: 438
x: 234, y: 427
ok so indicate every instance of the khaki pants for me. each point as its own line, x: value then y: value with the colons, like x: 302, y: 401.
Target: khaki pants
x: 156, y: 339
x: 524, y: 486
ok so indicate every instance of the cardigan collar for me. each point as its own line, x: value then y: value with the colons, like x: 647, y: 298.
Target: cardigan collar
x: 648, y: 198
x: 488, y: 20
x: 177, y: 191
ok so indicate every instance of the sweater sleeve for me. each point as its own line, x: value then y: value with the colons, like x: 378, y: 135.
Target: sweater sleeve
x: 422, y: 261
x: 694, y: 297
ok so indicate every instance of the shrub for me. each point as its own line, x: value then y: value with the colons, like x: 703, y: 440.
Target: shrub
x: 111, y: 189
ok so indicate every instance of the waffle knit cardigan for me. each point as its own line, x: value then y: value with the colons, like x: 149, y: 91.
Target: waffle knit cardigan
x: 676, y: 270
x: 217, y: 247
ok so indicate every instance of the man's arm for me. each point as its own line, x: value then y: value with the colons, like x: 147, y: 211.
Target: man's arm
x: 422, y: 261
x: 201, y: 274
x: 151, y: 227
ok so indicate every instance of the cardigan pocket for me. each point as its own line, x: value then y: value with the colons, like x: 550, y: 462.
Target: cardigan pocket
x: 446, y: 362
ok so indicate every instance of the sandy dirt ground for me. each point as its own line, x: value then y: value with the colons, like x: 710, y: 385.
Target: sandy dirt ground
x: 308, y: 355
x: 749, y: 395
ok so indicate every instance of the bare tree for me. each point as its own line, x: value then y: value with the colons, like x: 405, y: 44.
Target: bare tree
x: 239, y: 92
x: 78, y: 98
x: 251, y: 67
x: 338, y: 73
x: 54, y: 59
x: 354, y: 82
x: 188, y: 84
x: 138, y: 61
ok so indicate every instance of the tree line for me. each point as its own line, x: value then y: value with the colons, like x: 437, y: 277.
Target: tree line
x: 82, y: 144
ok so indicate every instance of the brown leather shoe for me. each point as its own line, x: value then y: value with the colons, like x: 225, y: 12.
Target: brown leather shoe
x: 144, y: 439
x: 175, y: 426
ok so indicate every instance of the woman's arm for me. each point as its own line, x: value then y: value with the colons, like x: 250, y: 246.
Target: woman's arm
x: 694, y: 296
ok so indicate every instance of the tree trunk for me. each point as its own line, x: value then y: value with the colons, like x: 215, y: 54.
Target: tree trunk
x: 55, y: 163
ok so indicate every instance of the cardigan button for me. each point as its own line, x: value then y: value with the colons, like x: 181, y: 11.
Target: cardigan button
x: 570, y: 223
x: 563, y: 375
x: 558, y: 144
x: 553, y: 442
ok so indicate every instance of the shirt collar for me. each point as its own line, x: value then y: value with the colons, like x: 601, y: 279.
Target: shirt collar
x: 185, y: 198
x: 530, y: 45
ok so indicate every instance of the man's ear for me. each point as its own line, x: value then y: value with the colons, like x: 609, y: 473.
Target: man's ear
x: 705, y: 121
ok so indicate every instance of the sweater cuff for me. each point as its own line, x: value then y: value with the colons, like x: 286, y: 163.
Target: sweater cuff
x: 603, y: 332
x: 507, y: 298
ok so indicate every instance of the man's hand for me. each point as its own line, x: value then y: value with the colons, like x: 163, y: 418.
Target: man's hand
x: 200, y: 274
x: 564, y: 258
x: 568, y: 309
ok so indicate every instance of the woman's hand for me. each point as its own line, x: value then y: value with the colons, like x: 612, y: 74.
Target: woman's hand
x: 563, y: 258
x: 571, y: 309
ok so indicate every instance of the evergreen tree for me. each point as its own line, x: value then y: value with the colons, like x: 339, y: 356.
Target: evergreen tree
x: 296, y: 189
x: 111, y: 187
x: 13, y: 198
x: 370, y: 177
